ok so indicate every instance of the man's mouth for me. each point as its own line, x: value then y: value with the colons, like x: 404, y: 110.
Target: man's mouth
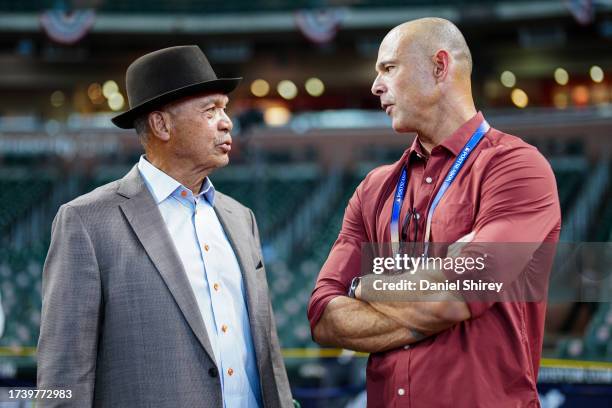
x: 225, y: 146
x: 387, y: 108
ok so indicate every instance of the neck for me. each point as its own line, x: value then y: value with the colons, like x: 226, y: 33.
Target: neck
x: 442, y: 123
x: 189, y: 176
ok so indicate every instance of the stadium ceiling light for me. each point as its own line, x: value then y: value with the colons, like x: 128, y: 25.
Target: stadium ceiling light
x: 116, y: 101
x: 57, y: 99
x: 508, y: 79
x: 109, y: 88
x: 561, y: 99
x: 94, y: 92
x: 287, y: 89
x: 561, y: 76
x: 580, y: 95
x: 260, y: 87
x: 519, y: 98
x: 277, y: 116
x: 597, y: 74
x: 314, y: 87
x: 600, y: 94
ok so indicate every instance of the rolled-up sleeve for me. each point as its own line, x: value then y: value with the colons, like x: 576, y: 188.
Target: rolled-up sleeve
x: 343, y: 262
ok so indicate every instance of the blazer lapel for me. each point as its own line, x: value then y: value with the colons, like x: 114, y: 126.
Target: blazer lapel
x: 256, y: 299
x: 145, y: 219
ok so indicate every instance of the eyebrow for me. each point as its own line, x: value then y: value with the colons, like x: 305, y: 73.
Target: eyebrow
x: 217, y: 100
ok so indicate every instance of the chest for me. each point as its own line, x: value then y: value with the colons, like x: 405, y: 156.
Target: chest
x: 454, y: 213
x: 204, y: 250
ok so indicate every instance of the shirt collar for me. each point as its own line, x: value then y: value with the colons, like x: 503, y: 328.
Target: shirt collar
x: 417, y: 149
x: 162, y: 185
x: 208, y: 190
x: 455, y: 142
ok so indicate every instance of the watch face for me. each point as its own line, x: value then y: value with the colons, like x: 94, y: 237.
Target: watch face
x: 354, y: 284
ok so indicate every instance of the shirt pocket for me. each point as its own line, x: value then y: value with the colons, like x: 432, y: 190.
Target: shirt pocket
x: 452, y: 221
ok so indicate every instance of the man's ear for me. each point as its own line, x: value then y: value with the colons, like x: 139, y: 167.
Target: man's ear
x: 441, y: 61
x: 159, y: 123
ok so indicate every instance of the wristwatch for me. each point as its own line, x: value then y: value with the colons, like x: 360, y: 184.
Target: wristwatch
x: 353, y: 287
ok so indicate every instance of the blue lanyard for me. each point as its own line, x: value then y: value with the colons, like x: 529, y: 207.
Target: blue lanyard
x: 400, y: 191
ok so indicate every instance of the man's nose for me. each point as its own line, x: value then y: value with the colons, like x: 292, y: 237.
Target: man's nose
x: 225, y: 123
x: 378, y: 87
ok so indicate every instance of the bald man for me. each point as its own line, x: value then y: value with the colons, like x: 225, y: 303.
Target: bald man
x: 447, y: 351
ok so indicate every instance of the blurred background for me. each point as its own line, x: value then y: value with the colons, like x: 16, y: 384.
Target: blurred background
x: 307, y: 130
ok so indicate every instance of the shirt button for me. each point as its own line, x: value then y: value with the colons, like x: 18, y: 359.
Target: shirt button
x: 407, y: 346
x: 224, y: 328
x: 230, y: 371
x: 206, y: 247
x: 216, y: 286
x: 428, y: 180
x: 401, y: 391
x: 183, y: 193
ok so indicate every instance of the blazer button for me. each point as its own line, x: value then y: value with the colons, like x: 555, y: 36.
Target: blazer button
x: 213, y: 372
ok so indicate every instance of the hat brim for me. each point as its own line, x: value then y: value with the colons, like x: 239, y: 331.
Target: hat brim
x: 126, y: 119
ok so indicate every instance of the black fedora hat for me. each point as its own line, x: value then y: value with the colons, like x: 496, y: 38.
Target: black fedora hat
x: 166, y: 75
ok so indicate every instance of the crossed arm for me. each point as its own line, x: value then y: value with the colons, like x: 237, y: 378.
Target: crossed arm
x: 358, y: 325
x: 375, y: 326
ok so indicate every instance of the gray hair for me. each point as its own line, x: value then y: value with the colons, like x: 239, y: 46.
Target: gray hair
x: 141, y: 125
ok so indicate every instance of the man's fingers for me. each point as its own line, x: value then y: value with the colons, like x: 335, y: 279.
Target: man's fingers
x: 467, y: 238
x: 455, y: 249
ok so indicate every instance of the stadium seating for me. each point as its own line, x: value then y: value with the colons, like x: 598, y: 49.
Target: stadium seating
x: 291, y: 285
x: 602, y: 229
x: 568, y: 183
x: 596, y: 343
x: 17, y: 195
x: 272, y: 201
x: 20, y: 284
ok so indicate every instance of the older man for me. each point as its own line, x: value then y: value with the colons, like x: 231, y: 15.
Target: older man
x: 154, y: 289
x: 458, y: 177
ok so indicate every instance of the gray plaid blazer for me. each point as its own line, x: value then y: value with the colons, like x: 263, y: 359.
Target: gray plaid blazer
x: 120, y: 326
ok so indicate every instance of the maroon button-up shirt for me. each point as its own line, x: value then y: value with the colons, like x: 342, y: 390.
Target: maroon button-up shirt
x: 506, y: 192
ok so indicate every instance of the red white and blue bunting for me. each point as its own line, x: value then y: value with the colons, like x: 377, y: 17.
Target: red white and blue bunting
x: 320, y: 26
x: 582, y: 10
x: 67, y: 27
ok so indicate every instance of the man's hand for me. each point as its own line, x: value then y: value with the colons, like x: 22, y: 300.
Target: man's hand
x: 455, y: 249
x: 430, y: 312
x: 355, y: 325
x: 380, y: 326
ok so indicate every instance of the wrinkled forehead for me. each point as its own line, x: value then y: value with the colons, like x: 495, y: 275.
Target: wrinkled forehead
x: 199, y: 101
x: 217, y: 98
x: 397, y: 44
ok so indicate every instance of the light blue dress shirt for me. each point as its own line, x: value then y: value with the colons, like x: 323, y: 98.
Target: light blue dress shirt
x: 216, y: 280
